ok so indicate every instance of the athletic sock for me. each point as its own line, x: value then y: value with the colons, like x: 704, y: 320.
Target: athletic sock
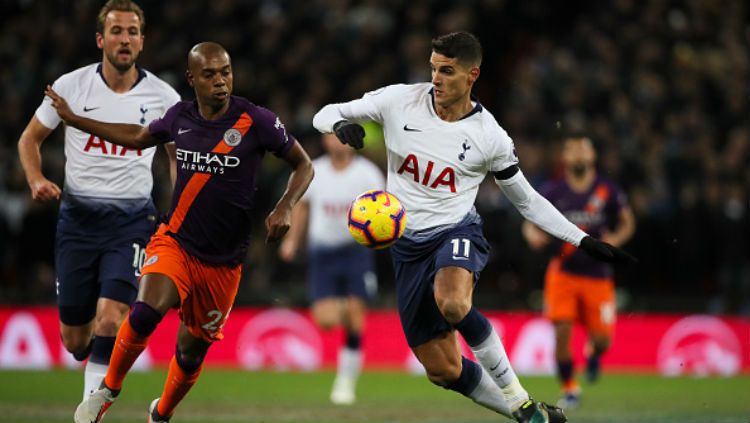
x: 565, y: 371
x: 490, y: 352
x: 476, y: 384
x: 130, y: 343
x: 349, y: 363
x: 353, y: 340
x: 178, y: 383
x: 96, y: 368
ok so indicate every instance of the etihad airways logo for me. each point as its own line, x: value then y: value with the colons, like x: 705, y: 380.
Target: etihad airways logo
x: 213, y: 163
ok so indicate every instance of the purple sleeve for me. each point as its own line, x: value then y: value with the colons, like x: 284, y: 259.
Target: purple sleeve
x: 161, y: 128
x: 272, y: 133
x: 619, y: 199
x: 548, y: 191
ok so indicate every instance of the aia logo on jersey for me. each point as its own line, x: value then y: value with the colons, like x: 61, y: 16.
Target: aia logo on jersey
x: 106, y: 147
x: 446, y: 176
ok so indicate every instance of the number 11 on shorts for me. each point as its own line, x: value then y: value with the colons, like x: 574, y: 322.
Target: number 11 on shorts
x: 457, y: 246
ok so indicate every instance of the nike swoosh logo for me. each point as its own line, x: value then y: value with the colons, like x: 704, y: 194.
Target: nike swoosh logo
x: 88, y: 109
x: 183, y: 131
x: 406, y: 128
x: 495, y: 367
x: 499, y: 375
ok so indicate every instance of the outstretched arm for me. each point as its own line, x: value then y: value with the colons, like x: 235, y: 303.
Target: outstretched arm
x: 132, y: 136
x: 542, y: 213
x: 342, y: 119
x: 296, y: 235
x: 279, y: 220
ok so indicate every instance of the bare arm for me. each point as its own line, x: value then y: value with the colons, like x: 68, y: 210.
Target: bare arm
x: 624, y: 229
x: 279, y: 220
x: 29, y: 153
x: 296, y: 235
x: 132, y: 136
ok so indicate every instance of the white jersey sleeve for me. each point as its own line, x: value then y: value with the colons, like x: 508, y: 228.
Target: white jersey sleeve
x: 504, y: 154
x: 373, y: 106
x: 94, y: 167
x: 45, y: 113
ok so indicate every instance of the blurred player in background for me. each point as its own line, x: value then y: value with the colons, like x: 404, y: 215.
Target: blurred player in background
x: 106, y: 214
x: 194, y: 261
x: 441, y: 143
x: 578, y: 288
x: 341, y: 272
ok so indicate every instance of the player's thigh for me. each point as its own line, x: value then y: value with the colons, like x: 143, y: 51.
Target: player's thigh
x: 121, y: 262
x: 358, y: 269
x: 205, y: 305
x: 165, y: 273
x: 453, y: 287
x: 560, y: 297
x: 327, y: 312
x: 441, y: 358
x: 599, y: 307
x: 76, y: 263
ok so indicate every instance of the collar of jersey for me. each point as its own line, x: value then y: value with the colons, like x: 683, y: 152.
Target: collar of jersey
x: 477, y: 106
x: 141, y: 75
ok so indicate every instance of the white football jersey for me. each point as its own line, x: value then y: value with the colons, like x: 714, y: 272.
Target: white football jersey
x: 434, y: 167
x: 330, y: 194
x: 95, y: 167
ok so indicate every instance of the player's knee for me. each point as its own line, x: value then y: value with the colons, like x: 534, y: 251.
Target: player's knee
x: 143, y: 318
x: 443, y: 374
x: 325, y: 322
x: 77, y: 344
x: 189, y: 361
x: 453, y: 309
x: 107, y: 325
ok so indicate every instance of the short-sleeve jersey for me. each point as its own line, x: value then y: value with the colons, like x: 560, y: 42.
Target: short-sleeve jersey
x: 94, y: 167
x: 434, y: 166
x: 595, y: 211
x: 330, y: 194
x: 217, y: 168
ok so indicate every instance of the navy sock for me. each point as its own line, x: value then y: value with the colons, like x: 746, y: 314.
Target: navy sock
x: 144, y: 318
x: 474, y: 327
x: 80, y: 356
x: 353, y: 340
x: 565, y: 370
x: 470, y: 376
x: 101, y: 350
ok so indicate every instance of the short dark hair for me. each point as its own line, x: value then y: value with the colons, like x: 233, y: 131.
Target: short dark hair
x: 461, y: 45
x: 120, y: 6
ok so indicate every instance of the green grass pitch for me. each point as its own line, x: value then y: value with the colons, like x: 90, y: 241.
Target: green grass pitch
x: 230, y: 396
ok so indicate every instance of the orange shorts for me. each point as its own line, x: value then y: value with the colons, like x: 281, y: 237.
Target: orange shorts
x: 576, y: 298
x: 206, y: 291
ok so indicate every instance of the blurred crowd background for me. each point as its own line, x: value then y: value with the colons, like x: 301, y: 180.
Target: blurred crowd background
x: 661, y: 87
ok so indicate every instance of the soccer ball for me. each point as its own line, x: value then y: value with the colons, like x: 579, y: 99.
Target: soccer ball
x: 376, y: 219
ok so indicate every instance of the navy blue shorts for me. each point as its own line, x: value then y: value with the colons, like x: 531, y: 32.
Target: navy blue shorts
x: 99, y: 251
x: 416, y: 263
x: 342, y: 272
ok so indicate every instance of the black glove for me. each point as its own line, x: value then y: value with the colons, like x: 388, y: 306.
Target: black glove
x: 350, y: 133
x: 605, y: 252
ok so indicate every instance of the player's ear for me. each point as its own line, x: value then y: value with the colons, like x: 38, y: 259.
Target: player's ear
x: 99, y: 40
x: 189, y: 77
x: 474, y: 73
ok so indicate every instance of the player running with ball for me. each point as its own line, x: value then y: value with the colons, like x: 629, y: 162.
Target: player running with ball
x: 440, y: 145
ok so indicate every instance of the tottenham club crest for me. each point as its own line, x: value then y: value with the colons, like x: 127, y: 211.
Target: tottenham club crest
x: 232, y: 137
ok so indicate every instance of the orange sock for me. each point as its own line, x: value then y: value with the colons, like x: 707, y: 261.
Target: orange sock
x: 570, y: 386
x: 128, y: 346
x: 175, y: 388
